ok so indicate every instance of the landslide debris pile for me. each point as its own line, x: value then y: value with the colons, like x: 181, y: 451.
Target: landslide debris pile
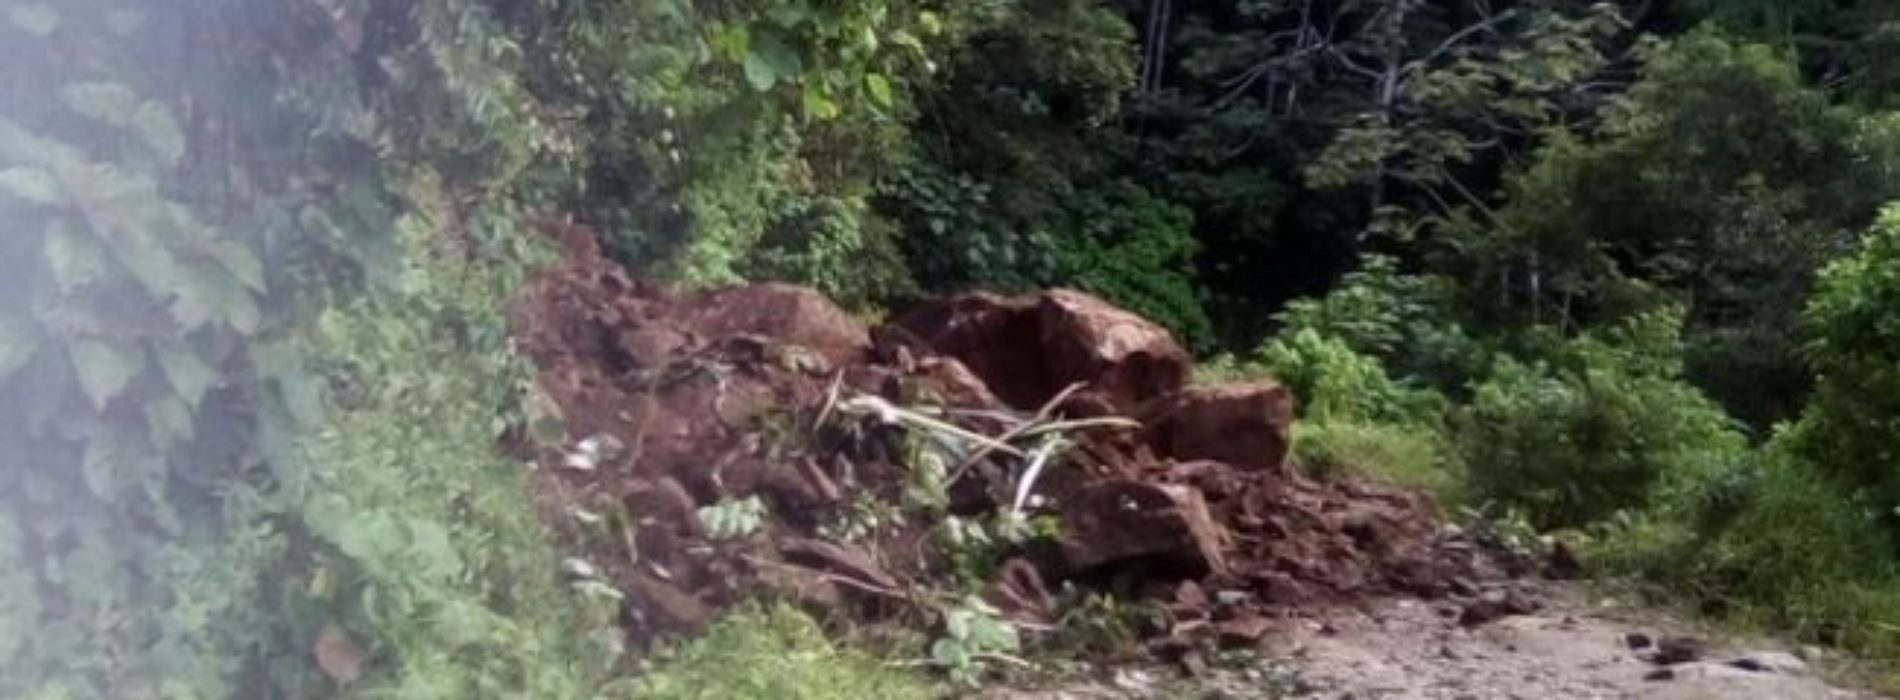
x: 755, y: 439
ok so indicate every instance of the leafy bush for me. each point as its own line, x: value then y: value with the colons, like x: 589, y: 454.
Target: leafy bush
x: 833, y: 245
x: 1849, y: 428
x: 951, y: 237
x: 1774, y: 543
x: 772, y: 652
x: 421, y: 558
x: 1137, y: 250
x: 1333, y: 382
x: 1354, y: 418
x: 1575, y: 439
x: 1406, y: 321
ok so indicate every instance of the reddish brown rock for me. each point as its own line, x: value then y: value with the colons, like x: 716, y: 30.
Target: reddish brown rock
x: 1247, y: 424
x: 783, y: 313
x: 955, y: 384
x: 1125, y: 523
x: 662, y: 502
x: 1125, y: 358
x: 1026, y: 349
x: 1242, y: 631
x: 993, y: 336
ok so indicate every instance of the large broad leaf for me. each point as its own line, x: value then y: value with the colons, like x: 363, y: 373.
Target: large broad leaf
x: 110, y: 103
x: 169, y: 421
x: 116, y: 460
x: 208, y: 292
x: 105, y: 369
x: 239, y: 261
x: 155, y: 126
x: 32, y: 184
x: 771, y: 60
x: 19, y: 339
x: 75, y: 258
x: 188, y: 373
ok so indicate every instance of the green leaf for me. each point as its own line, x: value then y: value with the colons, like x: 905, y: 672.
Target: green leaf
x: 948, y: 653
x: 19, y: 340
x: 32, y: 185
x: 207, y: 292
x: 74, y: 257
x: 817, y: 104
x: 239, y: 261
x: 733, y: 42
x: 770, y: 61
x: 189, y: 375
x: 111, y: 103
x: 880, y: 89
x: 155, y: 126
x: 35, y: 18
x: 170, y: 422
x: 104, y: 369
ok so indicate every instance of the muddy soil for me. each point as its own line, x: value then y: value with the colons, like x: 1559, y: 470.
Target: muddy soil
x: 768, y: 406
x: 1577, y: 646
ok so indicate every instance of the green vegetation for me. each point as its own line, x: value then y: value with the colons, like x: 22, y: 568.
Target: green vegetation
x: 1620, y: 268
x: 773, y: 652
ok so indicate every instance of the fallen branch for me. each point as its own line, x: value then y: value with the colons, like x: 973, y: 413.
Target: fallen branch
x: 865, y: 586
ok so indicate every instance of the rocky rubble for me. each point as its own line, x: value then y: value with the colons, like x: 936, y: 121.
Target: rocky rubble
x: 773, y: 408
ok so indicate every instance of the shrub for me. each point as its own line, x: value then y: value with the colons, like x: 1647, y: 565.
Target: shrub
x: 773, y: 652
x: 1402, y: 320
x: 1773, y: 542
x: 1848, y: 429
x: 1575, y: 439
x: 1332, y: 381
x: 1355, y: 419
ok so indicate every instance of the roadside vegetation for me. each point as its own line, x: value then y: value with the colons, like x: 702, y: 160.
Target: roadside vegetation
x: 1629, y: 271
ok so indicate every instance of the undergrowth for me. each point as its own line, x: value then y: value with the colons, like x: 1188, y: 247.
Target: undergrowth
x: 774, y: 651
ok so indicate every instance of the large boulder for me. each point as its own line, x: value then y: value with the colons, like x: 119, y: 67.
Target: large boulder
x: 1246, y: 424
x: 781, y: 313
x: 1164, y: 530
x: 993, y: 336
x: 1029, y: 348
x: 1124, y: 358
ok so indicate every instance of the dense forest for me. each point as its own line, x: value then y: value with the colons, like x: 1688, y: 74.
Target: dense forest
x: 1626, y: 272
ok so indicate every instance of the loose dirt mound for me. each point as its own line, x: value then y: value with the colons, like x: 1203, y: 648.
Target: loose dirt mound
x: 721, y: 444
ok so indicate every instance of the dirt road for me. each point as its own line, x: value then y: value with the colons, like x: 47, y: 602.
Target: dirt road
x: 1573, y: 648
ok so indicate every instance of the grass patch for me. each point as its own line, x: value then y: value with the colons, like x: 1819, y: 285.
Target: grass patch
x: 1405, y: 455
x: 775, y: 652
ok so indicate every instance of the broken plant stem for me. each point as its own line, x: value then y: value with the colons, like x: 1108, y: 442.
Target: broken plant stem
x: 865, y: 586
x: 1040, y: 415
x: 893, y: 414
x: 1037, y: 459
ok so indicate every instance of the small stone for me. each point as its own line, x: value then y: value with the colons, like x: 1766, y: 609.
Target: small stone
x: 1748, y: 664
x: 1677, y: 650
x: 1636, y: 640
x: 1661, y: 674
x: 1771, y: 662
